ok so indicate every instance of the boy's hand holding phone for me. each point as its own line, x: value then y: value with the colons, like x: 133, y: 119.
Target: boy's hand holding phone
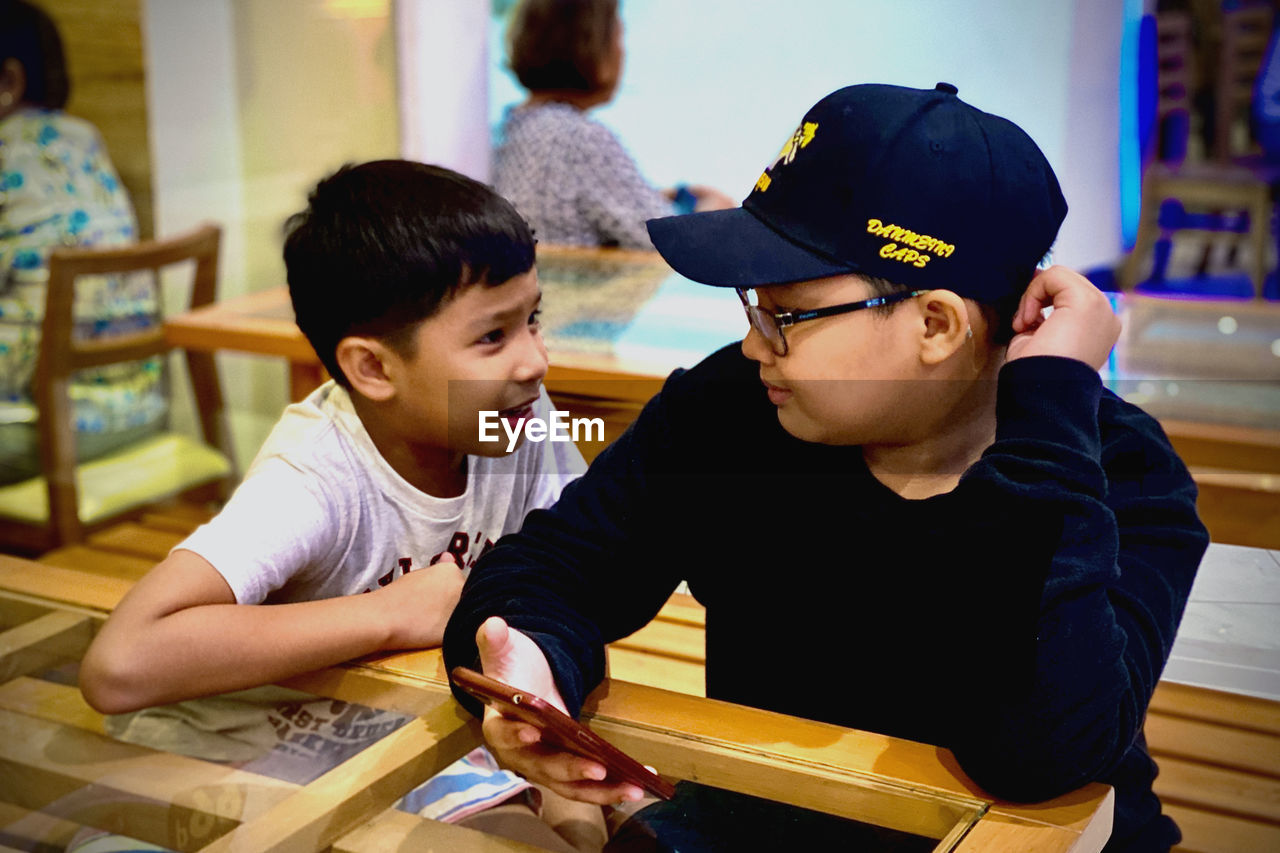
x: 509, y: 656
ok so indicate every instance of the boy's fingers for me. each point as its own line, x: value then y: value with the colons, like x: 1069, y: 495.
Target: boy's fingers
x: 492, y: 634
x: 504, y: 733
x: 492, y: 639
x: 596, y: 792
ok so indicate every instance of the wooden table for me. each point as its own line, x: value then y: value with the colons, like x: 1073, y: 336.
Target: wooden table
x: 593, y: 302
x: 617, y: 323
x: 52, y: 744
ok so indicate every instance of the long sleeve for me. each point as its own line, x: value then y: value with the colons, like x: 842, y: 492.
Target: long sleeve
x: 573, y: 179
x: 579, y: 574
x: 1112, y: 509
x: 615, y: 198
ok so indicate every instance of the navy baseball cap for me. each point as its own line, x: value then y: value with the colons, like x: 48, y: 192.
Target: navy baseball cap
x: 911, y: 185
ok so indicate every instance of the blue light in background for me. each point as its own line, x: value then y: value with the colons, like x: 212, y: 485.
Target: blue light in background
x: 1137, y: 107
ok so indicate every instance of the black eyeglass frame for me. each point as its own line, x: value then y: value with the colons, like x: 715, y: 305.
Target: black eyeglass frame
x: 756, y: 315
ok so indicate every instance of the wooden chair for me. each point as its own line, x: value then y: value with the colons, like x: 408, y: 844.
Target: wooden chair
x: 1214, y: 202
x: 1246, y: 33
x: 1175, y: 80
x: 70, y: 499
x: 1218, y: 205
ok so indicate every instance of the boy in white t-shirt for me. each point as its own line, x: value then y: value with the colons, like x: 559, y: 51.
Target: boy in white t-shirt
x: 357, y: 522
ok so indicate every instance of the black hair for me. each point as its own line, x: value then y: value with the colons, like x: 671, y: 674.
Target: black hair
x: 28, y: 35
x: 998, y: 315
x: 383, y: 244
x: 561, y: 45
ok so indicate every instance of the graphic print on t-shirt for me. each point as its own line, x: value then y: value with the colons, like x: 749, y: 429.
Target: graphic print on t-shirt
x: 459, y: 548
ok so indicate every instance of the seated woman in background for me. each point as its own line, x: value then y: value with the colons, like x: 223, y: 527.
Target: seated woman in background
x: 59, y: 188
x: 565, y: 172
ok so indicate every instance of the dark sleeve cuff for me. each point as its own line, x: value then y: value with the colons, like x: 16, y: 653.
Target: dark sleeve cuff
x: 1050, y: 399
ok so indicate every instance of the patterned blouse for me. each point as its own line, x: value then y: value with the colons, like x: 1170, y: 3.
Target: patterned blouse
x: 570, y: 177
x: 59, y: 188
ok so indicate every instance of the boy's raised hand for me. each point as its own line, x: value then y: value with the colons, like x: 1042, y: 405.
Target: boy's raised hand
x: 1081, y: 326
x: 511, y: 657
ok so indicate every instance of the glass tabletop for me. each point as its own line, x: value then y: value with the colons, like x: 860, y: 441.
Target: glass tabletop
x: 324, y: 761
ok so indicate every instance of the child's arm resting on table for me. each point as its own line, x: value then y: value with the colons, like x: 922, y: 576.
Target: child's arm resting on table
x: 179, y: 634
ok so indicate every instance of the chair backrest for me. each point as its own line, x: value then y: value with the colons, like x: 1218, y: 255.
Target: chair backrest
x: 1246, y: 33
x: 61, y: 353
x: 1175, y: 77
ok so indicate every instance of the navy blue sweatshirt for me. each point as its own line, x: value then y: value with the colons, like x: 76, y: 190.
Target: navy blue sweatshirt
x: 1020, y: 620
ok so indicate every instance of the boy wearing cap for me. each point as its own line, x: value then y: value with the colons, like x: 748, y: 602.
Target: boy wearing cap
x: 905, y: 459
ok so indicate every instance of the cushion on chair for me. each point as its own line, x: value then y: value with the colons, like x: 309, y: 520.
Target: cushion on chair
x: 148, y: 471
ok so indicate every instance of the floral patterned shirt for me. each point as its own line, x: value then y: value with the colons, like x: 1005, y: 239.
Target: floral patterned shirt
x: 59, y: 188
x: 570, y: 177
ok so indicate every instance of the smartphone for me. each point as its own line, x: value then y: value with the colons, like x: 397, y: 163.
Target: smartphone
x: 559, y: 729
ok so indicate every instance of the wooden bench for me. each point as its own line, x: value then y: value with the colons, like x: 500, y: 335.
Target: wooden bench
x: 1237, y: 470
x: 1219, y: 759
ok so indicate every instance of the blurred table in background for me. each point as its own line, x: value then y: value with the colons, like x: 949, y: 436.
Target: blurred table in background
x: 617, y: 323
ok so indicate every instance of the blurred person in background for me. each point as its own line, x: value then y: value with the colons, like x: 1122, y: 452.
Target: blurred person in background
x: 58, y: 187
x: 566, y: 172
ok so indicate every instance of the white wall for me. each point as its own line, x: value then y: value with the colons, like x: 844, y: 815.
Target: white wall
x: 444, y: 68
x: 251, y: 102
x: 712, y: 88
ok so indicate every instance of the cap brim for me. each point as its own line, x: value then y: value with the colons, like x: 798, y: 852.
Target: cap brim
x: 733, y: 248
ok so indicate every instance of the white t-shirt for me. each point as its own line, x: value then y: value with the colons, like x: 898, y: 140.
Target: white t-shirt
x: 321, y: 514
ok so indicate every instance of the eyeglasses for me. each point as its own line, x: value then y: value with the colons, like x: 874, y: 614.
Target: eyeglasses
x: 770, y: 325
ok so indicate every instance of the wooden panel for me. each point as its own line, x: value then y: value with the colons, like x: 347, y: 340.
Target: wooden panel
x: 669, y: 639
x: 50, y: 640
x: 59, y: 584
x: 1246, y: 794
x: 359, y: 788
x: 1219, y: 760
x: 35, y: 831
x: 99, y: 562
x: 1225, y: 446
x: 362, y: 685
x: 179, y: 519
x: 1211, y: 743
x: 1004, y: 835
x: 397, y: 830
x: 172, y: 800
x: 58, y: 703
x: 136, y: 540
x: 664, y: 673
x: 15, y: 610
x: 827, y: 787
x: 1216, y: 706
x: 103, y: 45
x: 1210, y: 832
x: 1240, y: 508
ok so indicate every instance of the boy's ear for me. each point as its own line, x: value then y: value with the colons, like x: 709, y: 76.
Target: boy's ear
x: 946, y: 326
x: 366, y: 364
x: 13, y: 83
